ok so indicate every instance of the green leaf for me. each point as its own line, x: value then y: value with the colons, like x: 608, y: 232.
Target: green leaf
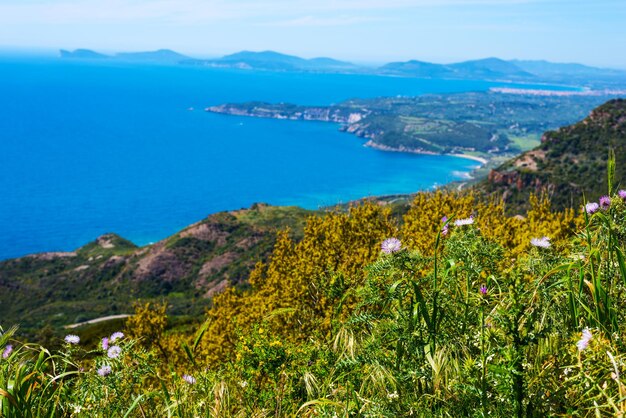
x: 189, y: 353
x: 200, y: 334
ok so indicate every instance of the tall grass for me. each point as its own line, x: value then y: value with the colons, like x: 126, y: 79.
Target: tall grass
x: 468, y: 329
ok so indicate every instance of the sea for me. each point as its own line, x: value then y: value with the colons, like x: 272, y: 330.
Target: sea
x: 88, y: 148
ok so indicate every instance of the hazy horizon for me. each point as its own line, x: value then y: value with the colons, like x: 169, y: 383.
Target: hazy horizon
x: 54, y: 52
x: 365, y: 31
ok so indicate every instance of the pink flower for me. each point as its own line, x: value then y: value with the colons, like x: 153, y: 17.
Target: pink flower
x: 391, y: 245
x: 116, y: 336
x: 72, y: 339
x: 591, y: 208
x: 584, y: 341
x: 189, y: 379
x: 7, y: 351
x: 605, y: 202
x: 104, y: 371
x: 463, y: 222
x: 444, y: 230
x: 114, y: 352
x: 541, y: 242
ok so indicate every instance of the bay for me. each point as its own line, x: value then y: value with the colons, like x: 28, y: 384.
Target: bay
x: 88, y: 148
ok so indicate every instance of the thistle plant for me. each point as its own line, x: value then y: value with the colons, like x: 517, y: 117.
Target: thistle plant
x: 445, y: 315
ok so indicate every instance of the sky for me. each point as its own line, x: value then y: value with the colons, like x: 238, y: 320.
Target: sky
x: 586, y: 31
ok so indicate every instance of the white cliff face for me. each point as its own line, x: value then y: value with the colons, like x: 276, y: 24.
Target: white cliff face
x: 279, y: 111
x: 354, y: 117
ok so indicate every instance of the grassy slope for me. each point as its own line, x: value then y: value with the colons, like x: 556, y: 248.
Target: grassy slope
x: 569, y: 162
x: 104, y: 277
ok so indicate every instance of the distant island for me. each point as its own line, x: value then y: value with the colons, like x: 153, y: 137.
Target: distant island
x: 274, y: 61
x: 159, y: 56
x: 537, y: 71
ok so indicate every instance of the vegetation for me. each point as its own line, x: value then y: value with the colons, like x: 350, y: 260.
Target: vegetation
x: 488, y: 123
x: 471, y: 315
x: 447, y: 306
x: 569, y: 163
x: 104, y: 277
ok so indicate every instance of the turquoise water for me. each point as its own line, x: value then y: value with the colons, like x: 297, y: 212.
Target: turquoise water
x: 90, y: 148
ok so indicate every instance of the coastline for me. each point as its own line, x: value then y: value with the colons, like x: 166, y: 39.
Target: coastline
x: 372, y: 144
x: 326, y: 116
x: 481, y: 160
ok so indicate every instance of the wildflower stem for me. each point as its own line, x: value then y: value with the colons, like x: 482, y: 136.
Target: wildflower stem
x: 483, y: 379
x: 435, y: 293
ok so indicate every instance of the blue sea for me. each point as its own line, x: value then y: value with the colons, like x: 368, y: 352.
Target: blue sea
x: 88, y: 148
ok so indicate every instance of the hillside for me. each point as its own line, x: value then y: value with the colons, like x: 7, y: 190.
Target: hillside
x: 483, y: 123
x: 573, y: 73
x: 275, y: 61
x: 104, y: 277
x: 570, y: 161
x: 81, y: 54
x: 161, y: 56
x: 484, y: 69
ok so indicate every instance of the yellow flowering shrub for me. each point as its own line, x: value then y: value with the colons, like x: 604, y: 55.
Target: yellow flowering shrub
x: 306, y: 284
x: 298, y: 290
x: 424, y: 220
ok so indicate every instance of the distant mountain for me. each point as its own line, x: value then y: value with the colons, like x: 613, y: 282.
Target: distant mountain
x: 577, y: 74
x: 82, y: 54
x: 264, y: 60
x: 488, y: 68
x: 570, y: 161
x: 481, y: 69
x: 325, y: 62
x: 417, y: 69
x: 545, y: 68
x: 275, y: 61
x: 161, y: 55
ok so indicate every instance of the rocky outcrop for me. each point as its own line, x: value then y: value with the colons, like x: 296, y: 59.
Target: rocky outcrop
x: 282, y: 111
x: 52, y: 255
x: 162, y: 265
x: 206, y: 232
x: 106, y: 241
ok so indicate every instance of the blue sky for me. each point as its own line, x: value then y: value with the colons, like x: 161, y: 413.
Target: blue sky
x: 587, y: 31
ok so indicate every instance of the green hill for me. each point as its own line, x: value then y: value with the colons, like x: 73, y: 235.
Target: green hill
x: 570, y: 161
x: 105, y: 276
